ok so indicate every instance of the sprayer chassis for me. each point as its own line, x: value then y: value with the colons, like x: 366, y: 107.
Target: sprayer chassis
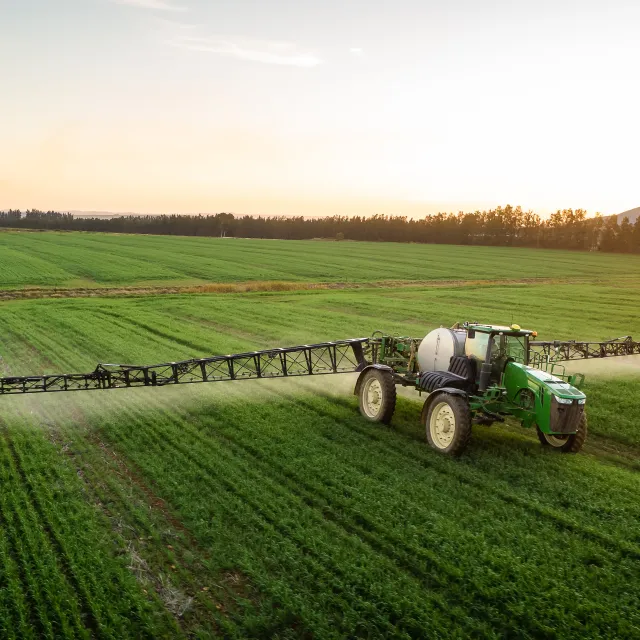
x: 499, y: 388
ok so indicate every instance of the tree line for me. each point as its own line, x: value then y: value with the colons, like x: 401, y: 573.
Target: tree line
x: 503, y: 226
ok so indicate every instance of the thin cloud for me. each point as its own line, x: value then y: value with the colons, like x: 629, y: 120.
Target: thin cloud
x: 356, y: 51
x: 265, y: 51
x: 168, y: 28
x: 158, y: 5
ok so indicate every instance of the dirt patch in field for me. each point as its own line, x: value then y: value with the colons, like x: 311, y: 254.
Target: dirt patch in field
x: 258, y: 286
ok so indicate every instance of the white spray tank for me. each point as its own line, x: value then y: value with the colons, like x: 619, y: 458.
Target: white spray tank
x: 439, y: 346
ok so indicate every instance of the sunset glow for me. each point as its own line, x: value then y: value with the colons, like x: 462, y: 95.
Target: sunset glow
x: 313, y: 108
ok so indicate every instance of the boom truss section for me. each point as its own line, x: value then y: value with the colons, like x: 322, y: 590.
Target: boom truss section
x: 343, y: 356
x: 558, y: 351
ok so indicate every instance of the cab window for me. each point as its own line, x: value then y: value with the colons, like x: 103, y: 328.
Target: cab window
x: 477, y: 346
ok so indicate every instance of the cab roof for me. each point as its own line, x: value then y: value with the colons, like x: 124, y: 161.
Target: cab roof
x: 513, y: 330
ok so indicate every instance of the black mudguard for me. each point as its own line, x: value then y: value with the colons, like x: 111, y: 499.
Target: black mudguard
x: 381, y: 367
x: 450, y: 390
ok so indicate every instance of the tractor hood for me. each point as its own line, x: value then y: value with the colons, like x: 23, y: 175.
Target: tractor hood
x: 557, y: 404
x: 557, y: 386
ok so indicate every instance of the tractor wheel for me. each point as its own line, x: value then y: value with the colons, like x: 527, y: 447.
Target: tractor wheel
x: 377, y: 396
x: 571, y: 443
x: 447, y: 420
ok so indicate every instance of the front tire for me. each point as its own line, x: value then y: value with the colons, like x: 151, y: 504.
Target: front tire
x: 570, y: 443
x: 377, y: 396
x: 447, y: 420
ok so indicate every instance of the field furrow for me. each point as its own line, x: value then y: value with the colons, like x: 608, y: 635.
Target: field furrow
x: 271, y: 508
x: 270, y: 511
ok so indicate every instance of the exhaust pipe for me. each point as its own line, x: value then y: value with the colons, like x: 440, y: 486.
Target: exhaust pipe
x: 485, y: 369
x: 485, y: 374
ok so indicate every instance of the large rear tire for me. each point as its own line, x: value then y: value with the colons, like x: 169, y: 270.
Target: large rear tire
x: 377, y: 396
x: 447, y: 421
x: 571, y: 443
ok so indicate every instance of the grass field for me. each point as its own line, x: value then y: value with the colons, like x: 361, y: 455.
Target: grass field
x: 98, y: 260
x: 271, y: 509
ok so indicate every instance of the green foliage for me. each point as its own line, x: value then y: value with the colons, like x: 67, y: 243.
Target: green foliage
x: 270, y: 509
x: 613, y: 407
x: 94, y: 260
x: 164, y: 328
x: 60, y: 576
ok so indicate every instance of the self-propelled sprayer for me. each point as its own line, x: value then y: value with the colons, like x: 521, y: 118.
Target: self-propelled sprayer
x: 473, y: 374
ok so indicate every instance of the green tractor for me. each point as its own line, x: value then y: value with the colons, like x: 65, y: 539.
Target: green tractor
x: 477, y: 373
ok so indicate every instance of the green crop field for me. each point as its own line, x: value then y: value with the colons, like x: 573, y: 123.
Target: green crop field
x: 271, y: 509
x: 74, y: 259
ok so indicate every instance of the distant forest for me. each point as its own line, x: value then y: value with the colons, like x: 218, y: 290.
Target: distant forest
x: 503, y: 226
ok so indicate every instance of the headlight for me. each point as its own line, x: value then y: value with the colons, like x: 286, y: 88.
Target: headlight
x: 582, y: 400
x: 563, y: 400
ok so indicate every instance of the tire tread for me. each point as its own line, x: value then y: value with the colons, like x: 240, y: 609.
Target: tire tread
x: 389, y: 395
x: 462, y: 414
x: 574, y: 441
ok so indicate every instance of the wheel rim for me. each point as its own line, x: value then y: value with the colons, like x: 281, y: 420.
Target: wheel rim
x: 442, y: 425
x: 372, y: 397
x: 554, y: 440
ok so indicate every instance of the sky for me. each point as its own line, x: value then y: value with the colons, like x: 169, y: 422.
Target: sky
x: 319, y: 107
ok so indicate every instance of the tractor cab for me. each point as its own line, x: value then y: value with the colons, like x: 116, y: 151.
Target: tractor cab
x: 493, y: 346
x: 471, y: 356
